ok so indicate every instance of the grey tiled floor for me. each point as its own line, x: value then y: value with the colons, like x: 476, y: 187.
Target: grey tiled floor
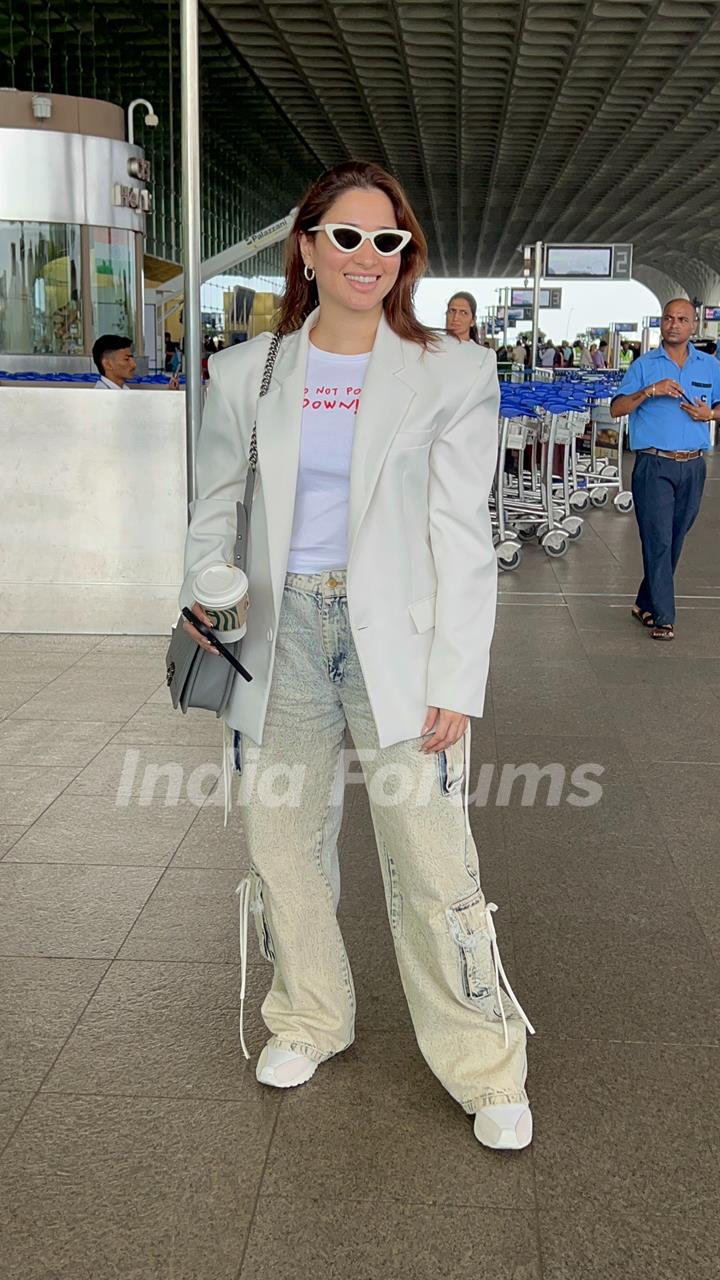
x: 135, y: 1142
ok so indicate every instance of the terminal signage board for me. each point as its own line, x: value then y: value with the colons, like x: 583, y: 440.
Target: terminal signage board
x: 597, y: 333
x: 588, y: 262
x: 653, y: 322
x: 712, y: 313
x: 550, y: 299
x: 515, y: 315
x: 621, y: 327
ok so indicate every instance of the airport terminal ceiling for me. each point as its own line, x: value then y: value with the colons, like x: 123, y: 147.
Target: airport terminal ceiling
x: 506, y: 121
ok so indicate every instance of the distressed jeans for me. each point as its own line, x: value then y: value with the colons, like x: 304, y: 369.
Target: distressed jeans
x: 441, y: 929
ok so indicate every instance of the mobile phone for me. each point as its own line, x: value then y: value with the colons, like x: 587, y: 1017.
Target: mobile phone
x: 208, y: 634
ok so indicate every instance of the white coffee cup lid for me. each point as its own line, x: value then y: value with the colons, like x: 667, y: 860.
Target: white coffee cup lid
x: 220, y: 585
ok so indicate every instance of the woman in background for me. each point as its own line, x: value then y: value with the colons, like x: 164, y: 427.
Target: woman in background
x: 461, y: 318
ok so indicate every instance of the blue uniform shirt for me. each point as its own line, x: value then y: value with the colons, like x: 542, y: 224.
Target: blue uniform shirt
x: 659, y: 422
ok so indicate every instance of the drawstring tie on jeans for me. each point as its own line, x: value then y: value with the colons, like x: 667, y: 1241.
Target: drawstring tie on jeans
x: 227, y: 747
x: 466, y: 769
x: 490, y: 907
x: 243, y: 892
x: 500, y: 974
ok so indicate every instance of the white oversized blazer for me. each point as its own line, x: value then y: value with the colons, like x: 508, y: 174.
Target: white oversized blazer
x: 421, y: 571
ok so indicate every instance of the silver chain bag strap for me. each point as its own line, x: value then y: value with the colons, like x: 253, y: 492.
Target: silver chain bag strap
x: 195, y: 677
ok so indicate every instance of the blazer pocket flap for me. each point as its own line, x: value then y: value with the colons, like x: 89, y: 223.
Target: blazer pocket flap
x: 422, y: 613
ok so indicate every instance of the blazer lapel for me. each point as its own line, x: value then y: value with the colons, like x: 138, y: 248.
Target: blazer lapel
x: 388, y: 393
x: 279, y: 422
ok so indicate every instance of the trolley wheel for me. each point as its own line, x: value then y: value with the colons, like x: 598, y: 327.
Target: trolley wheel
x: 525, y: 532
x: 496, y: 538
x: 509, y: 555
x: 624, y: 502
x: 573, y: 526
x: 541, y: 531
x: 582, y: 464
x: 555, y: 543
x: 601, y: 465
x: 599, y: 496
x: 609, y: 473
x: 580, y: 500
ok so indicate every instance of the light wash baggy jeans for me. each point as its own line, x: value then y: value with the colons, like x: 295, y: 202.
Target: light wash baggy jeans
x: 437, y: 912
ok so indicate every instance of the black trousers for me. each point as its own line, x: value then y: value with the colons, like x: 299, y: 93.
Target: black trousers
x: 667, y: 499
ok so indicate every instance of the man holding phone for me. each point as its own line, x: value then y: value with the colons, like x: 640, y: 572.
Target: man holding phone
x: 671, y: 395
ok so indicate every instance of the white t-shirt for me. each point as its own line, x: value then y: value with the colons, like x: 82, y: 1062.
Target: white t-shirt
x: 333, y: 386
x: 548, y: 358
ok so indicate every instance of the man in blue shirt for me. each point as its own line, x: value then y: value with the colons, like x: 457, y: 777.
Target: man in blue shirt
x: 671, y: 395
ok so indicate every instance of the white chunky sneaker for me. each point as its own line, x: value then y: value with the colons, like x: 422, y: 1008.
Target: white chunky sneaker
x: 507, y: 1127
x: 283, y: 1069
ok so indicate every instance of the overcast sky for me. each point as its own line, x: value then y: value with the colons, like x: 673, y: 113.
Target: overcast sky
x: 586, y: 303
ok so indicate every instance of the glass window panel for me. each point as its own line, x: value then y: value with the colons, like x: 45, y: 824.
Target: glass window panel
x: 40, y: 291
x: 112, y: 281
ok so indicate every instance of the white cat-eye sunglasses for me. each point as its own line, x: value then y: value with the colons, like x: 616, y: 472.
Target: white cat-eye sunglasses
x: 348, y: 239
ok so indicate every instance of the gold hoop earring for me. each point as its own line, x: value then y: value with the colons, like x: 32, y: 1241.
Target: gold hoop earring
x: 309, y: 272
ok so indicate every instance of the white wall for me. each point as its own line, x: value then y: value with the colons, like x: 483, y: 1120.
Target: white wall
x: 92, y: 510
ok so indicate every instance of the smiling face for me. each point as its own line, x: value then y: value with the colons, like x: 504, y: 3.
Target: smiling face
x: 459, y: 318
x: 357, y: 281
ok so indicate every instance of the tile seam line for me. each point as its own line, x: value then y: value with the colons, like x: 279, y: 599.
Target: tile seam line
x: 60, y: 673
x: 122, y: 725
x: 571, y: 595
x: 261, y: 1179
x: 51, y: 1067
x: 668, y: 844
x: 4, y: 1145
x: 195, y: 962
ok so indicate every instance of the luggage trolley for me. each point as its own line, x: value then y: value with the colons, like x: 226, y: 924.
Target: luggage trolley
x: 602, y: 476
x: 514, y: 436
x: 569, y: 427
x: 528, y: 504
x: 598, y: 476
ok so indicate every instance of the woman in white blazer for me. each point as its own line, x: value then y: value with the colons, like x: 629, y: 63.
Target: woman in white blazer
x: 372, y: 582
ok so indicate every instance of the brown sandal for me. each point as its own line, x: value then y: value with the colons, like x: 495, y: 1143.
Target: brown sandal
x: 663, y: 631
x: 642, y: 615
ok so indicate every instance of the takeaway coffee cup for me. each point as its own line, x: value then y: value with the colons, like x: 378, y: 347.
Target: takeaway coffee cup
x: 222, y: 590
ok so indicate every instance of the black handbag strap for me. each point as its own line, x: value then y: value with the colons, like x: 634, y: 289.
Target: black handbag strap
x: 245, y: 507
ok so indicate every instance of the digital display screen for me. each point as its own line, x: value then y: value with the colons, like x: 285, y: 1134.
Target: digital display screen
x: 589, y: 262
x: 524, y: 298
x: 712, y: 313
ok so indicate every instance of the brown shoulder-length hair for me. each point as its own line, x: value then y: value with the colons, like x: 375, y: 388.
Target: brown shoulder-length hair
x: 300, y: 295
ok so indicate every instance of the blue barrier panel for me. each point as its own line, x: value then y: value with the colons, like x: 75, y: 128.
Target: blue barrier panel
x: 154, y: 379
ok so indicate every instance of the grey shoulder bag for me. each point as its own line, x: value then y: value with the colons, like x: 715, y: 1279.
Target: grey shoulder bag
x: 195, y: 677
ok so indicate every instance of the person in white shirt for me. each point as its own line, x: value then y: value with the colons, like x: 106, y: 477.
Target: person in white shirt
x: 518, y: 353
x: 373, y: 581
x: 114, y: 361
x: 548, y: 356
